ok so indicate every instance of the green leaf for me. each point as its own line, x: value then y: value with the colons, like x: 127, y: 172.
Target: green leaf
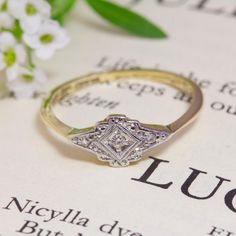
x: 60, y: 19
x: 61, y: 7
x: 126, y: 19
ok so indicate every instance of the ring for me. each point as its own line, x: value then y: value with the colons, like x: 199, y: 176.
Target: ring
x: 118, y: 139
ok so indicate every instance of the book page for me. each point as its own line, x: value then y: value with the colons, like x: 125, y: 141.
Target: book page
x: 186, y: 186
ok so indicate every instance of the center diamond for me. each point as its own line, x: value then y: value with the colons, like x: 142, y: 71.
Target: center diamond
x: 118, y: 142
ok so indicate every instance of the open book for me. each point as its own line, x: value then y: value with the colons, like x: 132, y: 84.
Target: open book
x: 185, y: 187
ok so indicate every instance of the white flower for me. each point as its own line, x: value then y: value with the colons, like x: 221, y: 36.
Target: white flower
x: 6, y: 20
x: 30, y: 13
x: 24, y: 83
x: 11, y: 52
x: 47, y: 39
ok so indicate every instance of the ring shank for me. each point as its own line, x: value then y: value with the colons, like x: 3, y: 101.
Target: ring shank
x: 181, y: 83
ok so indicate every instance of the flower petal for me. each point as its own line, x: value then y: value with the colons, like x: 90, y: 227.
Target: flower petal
x: 62, y: 39
x: 17, y: 8
x: 13, y: 72
x: 31, y: 40
x: 6, y: 40
x: 30, y: 25
x: 6, y: 21
x: 20, y: 54
x: 45, y: 53
x: 43, y: 7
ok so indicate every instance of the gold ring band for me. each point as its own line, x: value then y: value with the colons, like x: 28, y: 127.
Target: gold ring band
x: 118, y: 139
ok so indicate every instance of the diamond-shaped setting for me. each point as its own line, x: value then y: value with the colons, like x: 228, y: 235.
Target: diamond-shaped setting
x: 119, y: 140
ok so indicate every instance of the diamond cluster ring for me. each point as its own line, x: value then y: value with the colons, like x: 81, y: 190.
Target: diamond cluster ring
x: 118, y: 139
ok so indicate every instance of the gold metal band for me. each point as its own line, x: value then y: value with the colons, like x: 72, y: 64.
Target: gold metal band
x: 173, y: 80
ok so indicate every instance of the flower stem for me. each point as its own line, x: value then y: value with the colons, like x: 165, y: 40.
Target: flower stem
x: 29, y: 55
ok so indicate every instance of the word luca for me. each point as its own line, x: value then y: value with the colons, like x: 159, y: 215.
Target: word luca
x: 229, y: 199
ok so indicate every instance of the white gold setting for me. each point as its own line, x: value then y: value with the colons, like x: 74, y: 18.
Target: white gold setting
x: 119, y: 140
